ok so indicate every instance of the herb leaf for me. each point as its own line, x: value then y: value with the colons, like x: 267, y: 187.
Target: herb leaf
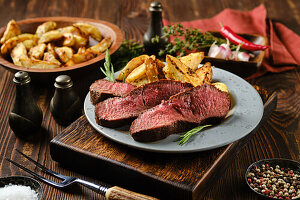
x: 186, y: 40
x: 108, y: 68
x: 187, y: 135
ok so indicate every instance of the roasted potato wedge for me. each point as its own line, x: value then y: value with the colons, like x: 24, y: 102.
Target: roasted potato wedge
x: 100, y: 47
x: 80, y: 57
x: 192, y: 60
x: 51, y: 48
x: 79, y: 41
x: 138, y: 73
x: 51, y: 36
x: 205, y: 73
x: 89, y: 29
x: 131, y: 65
x: 37, y: 52
x: 81, y: 50
x: 48, y: 56
x: 38, y: 64
x: 12, y: 30
x: 69, y: 40
x: 172, y: 72
x: 221, y: 86
x: 151, y: 69
x: 19, y: 52
x: 45, y: 27
x: 30, y: 43
x: 64, y: 53
x: 12, y: 42
x: 142, y: 81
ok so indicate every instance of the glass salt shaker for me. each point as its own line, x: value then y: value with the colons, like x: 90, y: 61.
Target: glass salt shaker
x: 65, y: 105
x: 26, y: 117
x: 153, y: 38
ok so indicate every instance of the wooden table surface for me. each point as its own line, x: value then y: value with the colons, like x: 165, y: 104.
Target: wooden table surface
x: 278, y: 137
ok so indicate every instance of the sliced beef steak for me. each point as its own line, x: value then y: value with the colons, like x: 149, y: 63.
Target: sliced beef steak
x: 103, y: 89
x: 199, y: 105
x: 118, y: 111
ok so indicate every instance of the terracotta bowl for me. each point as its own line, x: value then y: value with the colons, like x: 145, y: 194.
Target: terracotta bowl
x: 29, y: 26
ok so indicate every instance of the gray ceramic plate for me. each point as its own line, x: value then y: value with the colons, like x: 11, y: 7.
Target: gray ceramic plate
x: 246, y: 113
x: 23, y: 180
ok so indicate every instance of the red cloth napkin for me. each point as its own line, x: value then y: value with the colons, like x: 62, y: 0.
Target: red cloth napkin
x: 283, y: 52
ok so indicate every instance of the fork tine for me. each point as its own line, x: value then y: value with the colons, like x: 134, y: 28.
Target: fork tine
x: 34, y: 174
x: 49, y: 171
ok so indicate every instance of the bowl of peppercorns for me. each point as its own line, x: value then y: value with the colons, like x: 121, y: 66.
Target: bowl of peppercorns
x: 276, y: 178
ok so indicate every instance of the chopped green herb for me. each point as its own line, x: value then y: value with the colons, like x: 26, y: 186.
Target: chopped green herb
x: 108, y: 68
x: 187, y: 135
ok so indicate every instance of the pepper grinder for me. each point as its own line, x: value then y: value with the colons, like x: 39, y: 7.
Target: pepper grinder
x: 153, y: 38
x: 26, y: 116
x: 65, y: 105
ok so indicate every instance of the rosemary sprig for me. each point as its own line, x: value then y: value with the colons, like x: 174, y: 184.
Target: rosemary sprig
x: 187, y: 135
x: 108, y: 68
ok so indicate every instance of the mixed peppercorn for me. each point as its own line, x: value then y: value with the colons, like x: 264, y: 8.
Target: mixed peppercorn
x: 275, y: 181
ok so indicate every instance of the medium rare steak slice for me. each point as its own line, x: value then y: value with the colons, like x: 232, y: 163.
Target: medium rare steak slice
x: 118, y: 111
x: 194, y: 107
x: 103, y: 89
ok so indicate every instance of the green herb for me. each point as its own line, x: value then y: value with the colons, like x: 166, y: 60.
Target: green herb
x: 155, y: 39
x: 126, y: 52
x: 187, y: 135
x: 187, y: 40
x: 109, y: 68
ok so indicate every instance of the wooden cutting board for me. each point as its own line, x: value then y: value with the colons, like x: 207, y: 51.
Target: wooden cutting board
x: 165, y: 176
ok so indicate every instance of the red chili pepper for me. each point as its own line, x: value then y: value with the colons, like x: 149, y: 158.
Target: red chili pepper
x: 236, y: 39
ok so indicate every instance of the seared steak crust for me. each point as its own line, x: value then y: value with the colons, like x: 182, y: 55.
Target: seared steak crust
x: 200, y: 105
x: 103, y: 89
x: 118, y: 111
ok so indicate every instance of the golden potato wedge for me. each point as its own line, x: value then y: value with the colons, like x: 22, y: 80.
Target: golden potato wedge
x: 131, y: 65
x: 64, y: 53
x: 12, y: 42
x: 141, y: 81
x: 37, y: 52
x: 30, y: 43
x: 138, y: 73
x: 45, y: 27
x: 37, y: 64
x: 80, y: 57
x: 188, y: 73
x: 48, y: 56
x: 150, y: 69
x: 19, y: 52
x: 101, y: 46
x: 51, y: 48
x: 192, y: 60
x: 172, y: 72
x: 159, y: 66
x: 79, y: 41
x: 12, y: 30
x: 205, y: 73
x: 221, y: 86
x: 81, y: 50
x: 51, y: 36
x: 89, y: 29
x: 69, y: 40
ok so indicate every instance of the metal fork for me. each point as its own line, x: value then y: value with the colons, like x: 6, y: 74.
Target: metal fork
x: 110, y: 193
